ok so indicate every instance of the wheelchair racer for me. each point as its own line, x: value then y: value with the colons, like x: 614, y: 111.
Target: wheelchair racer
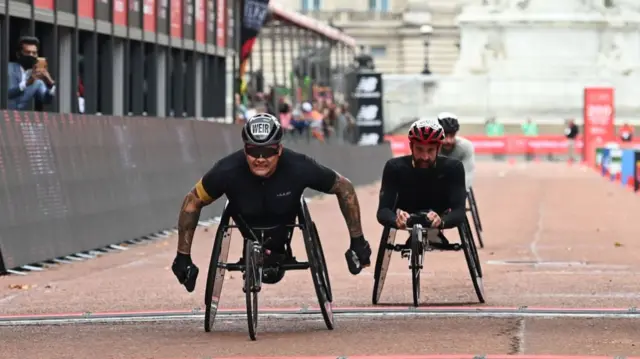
x: 264, y: 183
x: 456, y: 146
x: 423, y: 181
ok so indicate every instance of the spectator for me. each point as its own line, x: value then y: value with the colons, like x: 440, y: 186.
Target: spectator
x: 626, y: 132
x: 286, y: 115
x: 241, y: 109
x: 28, y: 77
x: 571, y: 132
x: 530, y: 128
x: 493, y: 128
x: 329, y: 120
x: 346, y: 126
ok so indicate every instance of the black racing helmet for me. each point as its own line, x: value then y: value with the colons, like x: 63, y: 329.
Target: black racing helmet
x: 449, y: 122
x: 262, y: 129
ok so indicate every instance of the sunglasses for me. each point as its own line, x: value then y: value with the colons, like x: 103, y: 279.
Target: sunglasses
x: 261, y: 151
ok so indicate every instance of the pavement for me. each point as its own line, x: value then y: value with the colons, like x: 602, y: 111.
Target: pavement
x: 557, y: 238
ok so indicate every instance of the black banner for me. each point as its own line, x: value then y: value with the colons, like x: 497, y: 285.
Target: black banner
x: 636, y: 174
x: 65, y: 5
x: 162, y: 16
x: 103, y: 10
x: 73, y: 183
x: 135, y: 14
x: 368, y: 106
x: 211, y: 21
x: 188, y: 25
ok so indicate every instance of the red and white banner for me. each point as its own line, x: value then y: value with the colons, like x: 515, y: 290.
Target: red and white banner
x: 120, y: 12
x: 149, y: 15
x: 221, y: 23
x: 201, y: 26
x: 599, y: 113
x: 507, y: 145
x: 175, y: 20
x: 85, y: 8
x: 44, y: 4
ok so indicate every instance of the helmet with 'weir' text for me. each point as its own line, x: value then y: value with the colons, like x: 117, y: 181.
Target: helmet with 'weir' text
x: 262, y: 129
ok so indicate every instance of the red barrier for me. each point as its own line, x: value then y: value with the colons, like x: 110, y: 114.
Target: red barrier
x: 510, y: 145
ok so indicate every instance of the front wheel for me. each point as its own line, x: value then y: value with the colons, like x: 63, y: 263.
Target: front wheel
x: 251, y: 287
x: 416, y: 263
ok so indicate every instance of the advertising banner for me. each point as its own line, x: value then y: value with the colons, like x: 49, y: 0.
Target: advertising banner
x: 103, y: 10
x: 135, y: 16
x: 628, y: 168
x: 211, y: 22
x: 86, y: 9
x: 188, y: 28
x: 119, y: 12
x: 149, y: 15
x: 598, y: 159
x: 162, y: 17
x: 44, y: 4
x: 636, y: 186
x: 254, y: 13
x: 175, y: 20
x: 367, y: 95
x: 201, y: 21
x: 615, y: 163
x: 604, y: 166
x: 221, y: 23
x: 66, y: 6
x: 598, y: 118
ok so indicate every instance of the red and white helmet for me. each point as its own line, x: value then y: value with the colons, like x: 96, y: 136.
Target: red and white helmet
x: 426, y: 131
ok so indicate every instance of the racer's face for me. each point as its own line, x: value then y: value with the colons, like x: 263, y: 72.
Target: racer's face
x: 449, y: 141
x: 424, y: 155
x: 263, y: 160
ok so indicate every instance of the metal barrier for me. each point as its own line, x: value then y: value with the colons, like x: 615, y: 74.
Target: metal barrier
x: 73, y: 183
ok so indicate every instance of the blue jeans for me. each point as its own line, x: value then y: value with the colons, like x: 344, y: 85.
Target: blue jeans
x: 37, y: 90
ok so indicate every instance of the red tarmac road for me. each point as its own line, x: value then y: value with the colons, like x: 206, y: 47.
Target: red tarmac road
x: 581, y: 230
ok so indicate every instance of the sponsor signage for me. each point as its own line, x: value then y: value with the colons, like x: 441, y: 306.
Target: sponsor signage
x: 367, y: 96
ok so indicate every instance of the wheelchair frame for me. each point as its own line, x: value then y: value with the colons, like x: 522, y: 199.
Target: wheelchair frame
x: 218, y: 265
x: 418, y: 247
x: 475, y: 215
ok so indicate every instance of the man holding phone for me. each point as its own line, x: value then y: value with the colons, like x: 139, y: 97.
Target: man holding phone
x: 28, y: 76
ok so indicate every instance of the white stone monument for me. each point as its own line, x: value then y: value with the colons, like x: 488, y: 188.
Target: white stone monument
x: 522, y: 58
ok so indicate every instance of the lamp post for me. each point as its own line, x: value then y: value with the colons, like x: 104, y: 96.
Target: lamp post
x: 426, y: 31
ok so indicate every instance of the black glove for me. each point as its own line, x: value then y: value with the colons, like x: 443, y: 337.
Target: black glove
x: 358, y: 255
x: 185, y: 271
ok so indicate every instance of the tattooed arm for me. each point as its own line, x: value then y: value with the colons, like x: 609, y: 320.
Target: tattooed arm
x: 188, y: 219
x: 348, y: 201
x: 209, y: 188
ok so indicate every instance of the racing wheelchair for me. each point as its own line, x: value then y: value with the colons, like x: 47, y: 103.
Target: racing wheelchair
x: 475, y: 215
x: 415, y: 249
x: 252, y: 267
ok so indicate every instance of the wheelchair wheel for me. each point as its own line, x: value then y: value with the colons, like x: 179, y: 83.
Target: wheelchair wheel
x: 382, y: 262
x: 475, y: 205
x: 417, y: 252
x: 467, y: 245
x: 311, y: 242
x: 325, y: 271
x: 251, y: 287
x: 215, y: 277
x: 474, y: 249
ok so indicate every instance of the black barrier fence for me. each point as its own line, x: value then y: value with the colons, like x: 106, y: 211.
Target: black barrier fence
x: 73, y: 183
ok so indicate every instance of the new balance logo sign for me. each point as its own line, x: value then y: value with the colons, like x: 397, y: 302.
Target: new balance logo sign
x: 368, y: 116
x: 367, y: 87
x: 369, y: 139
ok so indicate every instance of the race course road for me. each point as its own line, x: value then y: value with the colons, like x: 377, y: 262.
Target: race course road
x: 555, y: 236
